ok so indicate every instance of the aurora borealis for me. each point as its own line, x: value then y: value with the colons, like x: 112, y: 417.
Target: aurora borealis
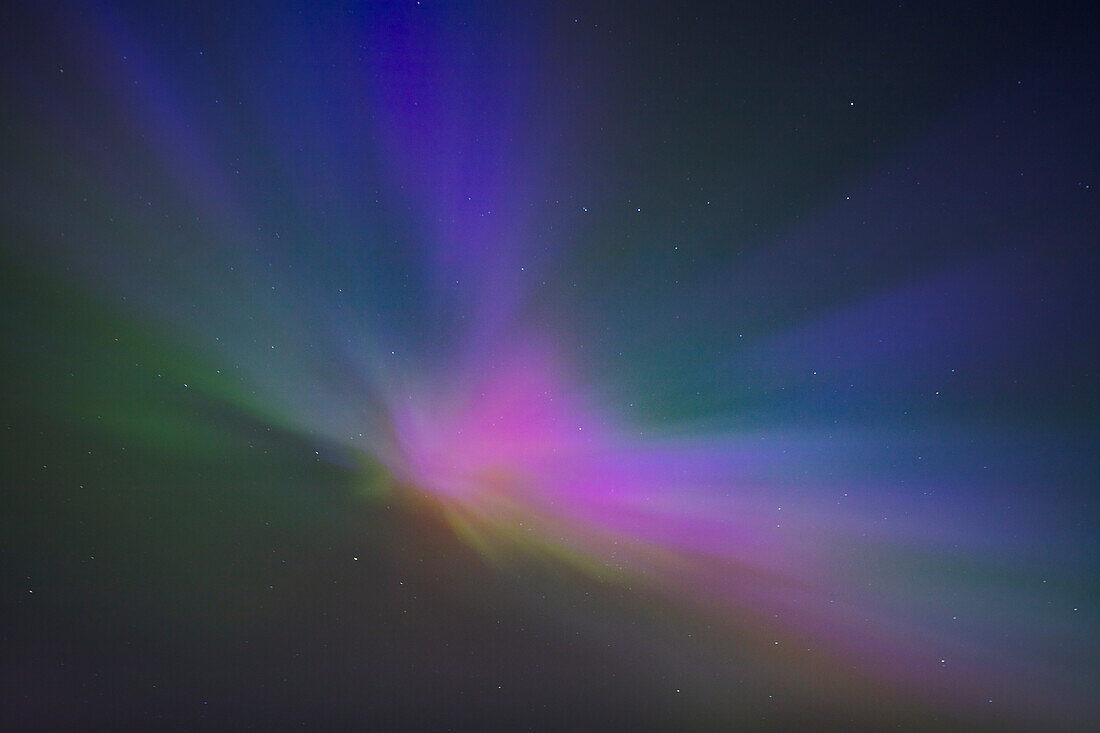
x: 486, y: 366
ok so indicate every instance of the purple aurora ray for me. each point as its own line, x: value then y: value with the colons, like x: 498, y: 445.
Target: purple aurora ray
x: 798, y: 447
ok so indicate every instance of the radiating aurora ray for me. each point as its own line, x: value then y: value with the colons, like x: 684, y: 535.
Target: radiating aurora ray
x: 434, y: 343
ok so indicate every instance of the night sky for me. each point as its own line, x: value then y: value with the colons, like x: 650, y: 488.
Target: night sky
x: 549, y: 366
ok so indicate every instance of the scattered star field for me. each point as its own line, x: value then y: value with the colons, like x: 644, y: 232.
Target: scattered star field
x: 549, y: 366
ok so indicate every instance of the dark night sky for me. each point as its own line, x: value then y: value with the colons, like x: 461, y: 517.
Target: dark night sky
x: 545, y: 366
